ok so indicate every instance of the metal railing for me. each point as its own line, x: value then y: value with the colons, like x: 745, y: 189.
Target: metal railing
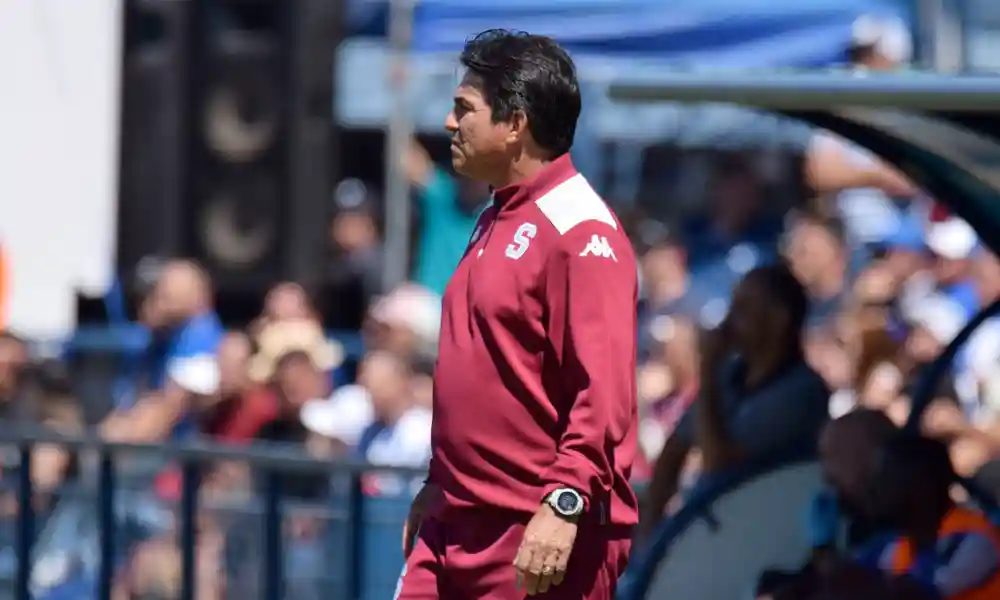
x: 102, y: 504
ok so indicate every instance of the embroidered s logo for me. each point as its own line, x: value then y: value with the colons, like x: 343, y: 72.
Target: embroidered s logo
x: 522, y: 239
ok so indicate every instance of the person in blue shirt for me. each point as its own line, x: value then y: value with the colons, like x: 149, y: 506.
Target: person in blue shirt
x: 182, y: 367
x: 449, y: 208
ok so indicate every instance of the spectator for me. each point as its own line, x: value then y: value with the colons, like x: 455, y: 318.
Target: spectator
x: 737, y: 235
x: 354, y: 234
x: 879, y: 44
x: 953, y: 242
x: 405, y: 322
x: 241, y: 408
x: 817, y: 253
x: 678, y: 337
x: 951, y: 550
x: 13, y: 364
x: 56, y: 409
x: 179, y: 309
x: 849, y: 450
x: 400, y: 433
x: 448, y: 212
x: 296, y: 374
x: 285, y: 301
x: 757, y: 393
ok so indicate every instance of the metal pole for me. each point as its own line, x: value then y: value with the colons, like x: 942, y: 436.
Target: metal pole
x: 398, y: 134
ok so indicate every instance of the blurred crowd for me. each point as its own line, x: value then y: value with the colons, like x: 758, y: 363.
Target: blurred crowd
x: 778, y: 292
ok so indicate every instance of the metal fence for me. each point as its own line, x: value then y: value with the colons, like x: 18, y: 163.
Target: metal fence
x: 337, y: 540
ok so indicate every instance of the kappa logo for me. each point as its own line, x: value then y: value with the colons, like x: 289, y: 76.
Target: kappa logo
x: 598, y: 246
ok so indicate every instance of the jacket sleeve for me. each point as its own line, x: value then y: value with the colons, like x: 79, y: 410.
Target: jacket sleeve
x: 590, y: 289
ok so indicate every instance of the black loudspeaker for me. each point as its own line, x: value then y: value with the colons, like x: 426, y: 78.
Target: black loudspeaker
x: 233, y: 140
x: 262, y: 140
x: 152, y: 165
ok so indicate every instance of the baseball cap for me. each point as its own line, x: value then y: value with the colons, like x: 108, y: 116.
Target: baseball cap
x: 952, y: 238
x: 888, y: 36
x: 413, y: 307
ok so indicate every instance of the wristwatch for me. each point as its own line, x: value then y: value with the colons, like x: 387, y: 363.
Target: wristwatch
x: 567, y: 502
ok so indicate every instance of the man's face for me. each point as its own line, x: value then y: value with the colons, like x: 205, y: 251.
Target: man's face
x: 233, y: 355
x: 950, y: 270
x: 298, y: 380
x: 811, y: 251
x: 479, y: 147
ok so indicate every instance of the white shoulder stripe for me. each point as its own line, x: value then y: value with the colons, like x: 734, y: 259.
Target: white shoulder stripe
x: 573, y: 202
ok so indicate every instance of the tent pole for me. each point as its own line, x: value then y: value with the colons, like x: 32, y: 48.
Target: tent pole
x: 397, y: 138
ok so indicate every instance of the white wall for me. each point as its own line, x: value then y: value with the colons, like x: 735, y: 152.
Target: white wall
x: 59, y: 80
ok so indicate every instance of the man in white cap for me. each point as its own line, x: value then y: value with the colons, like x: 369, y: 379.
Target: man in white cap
x: 880, y: 43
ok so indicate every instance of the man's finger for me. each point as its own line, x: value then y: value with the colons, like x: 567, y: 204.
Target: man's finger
x: 534, y: 575
x: 521, y: 562
x: 548, y: 573
x: 561, y: 563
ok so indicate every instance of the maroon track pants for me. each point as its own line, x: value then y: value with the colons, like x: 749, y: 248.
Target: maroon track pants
x: 470, y: 556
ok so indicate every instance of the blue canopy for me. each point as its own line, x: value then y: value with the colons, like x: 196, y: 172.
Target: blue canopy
x: 716, y: 33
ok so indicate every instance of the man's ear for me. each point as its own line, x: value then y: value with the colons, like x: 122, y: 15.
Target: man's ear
x: 518, y: 127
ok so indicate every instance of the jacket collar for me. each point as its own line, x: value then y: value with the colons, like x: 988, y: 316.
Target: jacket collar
x: 511, y: 196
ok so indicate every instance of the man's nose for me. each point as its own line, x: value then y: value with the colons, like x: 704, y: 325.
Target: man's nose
x: 451, y: 122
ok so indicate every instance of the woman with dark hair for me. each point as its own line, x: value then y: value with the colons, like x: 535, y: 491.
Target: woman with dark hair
x: 758, y: 395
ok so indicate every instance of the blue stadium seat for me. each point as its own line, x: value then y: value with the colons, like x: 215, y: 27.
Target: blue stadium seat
x: 732, y: 527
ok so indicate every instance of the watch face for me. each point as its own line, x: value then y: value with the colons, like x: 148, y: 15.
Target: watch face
x: 567, y: 502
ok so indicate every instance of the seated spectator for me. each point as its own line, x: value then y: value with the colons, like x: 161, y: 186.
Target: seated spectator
x: 405, y: 322
x: 757, y: 393
x: 400, y: 434
x: 952, y: 550
x: 284, y: 302
x: 179, y: 312
x: 13, y: 365
x: 56, y: 409
x: 817, y: 252
x: 736, y: 235
x: 952, y: 243
x: 673, y: 381
x: 293, y: 360
x: 897, y: 488
x: 241, y: 407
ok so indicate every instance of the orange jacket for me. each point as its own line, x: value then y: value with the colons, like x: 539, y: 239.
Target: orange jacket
x: 958, y: 521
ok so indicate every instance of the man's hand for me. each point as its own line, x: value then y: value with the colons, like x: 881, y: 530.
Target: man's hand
x: 544, y: 553
x: 422, y: 503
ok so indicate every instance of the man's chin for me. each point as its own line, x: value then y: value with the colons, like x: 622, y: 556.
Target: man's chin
x: 458, y: 165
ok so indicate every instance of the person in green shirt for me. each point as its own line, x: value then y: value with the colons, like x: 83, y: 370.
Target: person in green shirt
x: 449, y: 207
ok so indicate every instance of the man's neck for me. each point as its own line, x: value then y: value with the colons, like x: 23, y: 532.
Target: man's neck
x: 521, y: 169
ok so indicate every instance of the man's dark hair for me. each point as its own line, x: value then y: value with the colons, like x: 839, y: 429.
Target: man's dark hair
x: 912, y: 464
x: 518, y: 71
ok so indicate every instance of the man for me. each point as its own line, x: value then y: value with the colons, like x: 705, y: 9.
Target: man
x: 817, y: 253
x: 179, y: 312
x: 534, y: 427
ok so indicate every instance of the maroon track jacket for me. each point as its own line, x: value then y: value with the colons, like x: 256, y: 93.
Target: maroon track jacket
x: 534, y: 387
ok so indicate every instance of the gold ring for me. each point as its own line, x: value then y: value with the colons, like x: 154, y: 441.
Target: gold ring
x: 546, y: 570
